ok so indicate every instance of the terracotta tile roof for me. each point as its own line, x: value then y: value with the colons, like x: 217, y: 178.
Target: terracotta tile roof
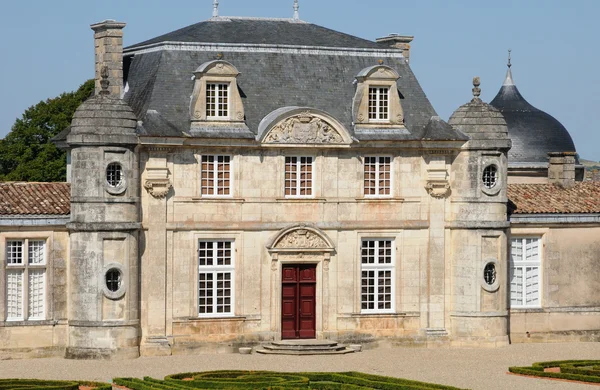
x: 20, y: 198
x: 584, y: 197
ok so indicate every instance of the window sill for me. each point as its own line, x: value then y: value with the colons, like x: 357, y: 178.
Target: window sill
x: 301, y: 200
x: 385, y: 315
x: 183, y: 320
x: 14, y: 323
x: 212, y: 199
x: 378, y: 199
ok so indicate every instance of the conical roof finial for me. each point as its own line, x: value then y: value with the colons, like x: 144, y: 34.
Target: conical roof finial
x: 296, y: 10
x: 509, y: 80
x: 216, y: 9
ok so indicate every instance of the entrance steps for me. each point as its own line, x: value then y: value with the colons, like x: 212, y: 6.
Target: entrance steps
x: 305, y: 347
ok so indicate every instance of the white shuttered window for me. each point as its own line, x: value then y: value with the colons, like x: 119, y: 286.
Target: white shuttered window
x: 25, y: 280
x: 525, y: 274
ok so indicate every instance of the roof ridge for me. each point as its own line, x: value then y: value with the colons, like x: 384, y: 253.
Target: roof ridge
x: 230, y: 18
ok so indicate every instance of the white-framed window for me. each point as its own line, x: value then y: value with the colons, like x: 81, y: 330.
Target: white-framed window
x: 217, y: 100
x: 377, y: 276
x: 298, y: 176
x: 379, y: 103
x: 25, y: 279
x: 525, y: 272
x: 378, y: 176
x: 216, y: 176
x: 216, y: 278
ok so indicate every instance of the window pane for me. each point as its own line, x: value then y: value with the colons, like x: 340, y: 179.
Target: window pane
x: 516, y: 249
x: 14, y: 252
x: 36, y: 252
x: 216, y: 175
x: 532, y: 284
x: 37, y: 292
x: 532, y: 249
x: 14, y: 294
x: 516, y: 286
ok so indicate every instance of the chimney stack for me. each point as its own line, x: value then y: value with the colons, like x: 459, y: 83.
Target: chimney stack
x: 396, y: 41
x: 108, y: 44
x: 561, y: 169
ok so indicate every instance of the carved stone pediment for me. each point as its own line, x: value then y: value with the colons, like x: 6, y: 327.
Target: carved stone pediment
x: 301, y: 239
x: 304, y: 128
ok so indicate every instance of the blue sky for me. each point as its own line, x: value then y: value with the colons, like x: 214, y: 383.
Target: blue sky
x: 47, y: 46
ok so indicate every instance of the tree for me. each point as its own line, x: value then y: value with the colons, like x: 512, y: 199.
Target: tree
x: 26, y: 153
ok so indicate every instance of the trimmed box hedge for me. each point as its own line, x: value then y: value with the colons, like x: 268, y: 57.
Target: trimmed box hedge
x: 574, y: 370
x: 276, y: 381
x: 27, y: 384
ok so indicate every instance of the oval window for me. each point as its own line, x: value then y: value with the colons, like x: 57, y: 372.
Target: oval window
x: 490, y: 176
x: 113, y: 280
x: 114, y: 174
x: 489, y: 274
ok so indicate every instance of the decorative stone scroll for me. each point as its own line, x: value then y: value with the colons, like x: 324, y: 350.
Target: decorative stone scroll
x: 301, y: 238
x: 158, y: 184
x: 437, y: 182
x: 304, y: 128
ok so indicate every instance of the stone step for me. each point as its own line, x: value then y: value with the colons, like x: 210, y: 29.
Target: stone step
x: 274, y: 347
x: 306, y: 342
x: 304, y: 353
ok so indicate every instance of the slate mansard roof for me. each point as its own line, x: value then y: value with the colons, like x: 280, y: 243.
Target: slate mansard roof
x: 33, y: 199
x: 282, y: 62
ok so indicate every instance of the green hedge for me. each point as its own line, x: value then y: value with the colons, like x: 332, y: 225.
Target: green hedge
x: 276, y: 381
x: 574, y: 370
x: 26, y: 384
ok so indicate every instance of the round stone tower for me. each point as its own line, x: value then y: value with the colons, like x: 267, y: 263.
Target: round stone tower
x: 104, y: 228
x: 479, y: 227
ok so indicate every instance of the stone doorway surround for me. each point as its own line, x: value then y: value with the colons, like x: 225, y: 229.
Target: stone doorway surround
x: 301, y: 244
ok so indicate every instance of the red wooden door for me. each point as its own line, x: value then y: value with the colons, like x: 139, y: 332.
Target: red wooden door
x: 298, y: 306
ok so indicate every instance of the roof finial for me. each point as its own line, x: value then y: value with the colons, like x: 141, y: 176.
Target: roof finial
x: 476, y: 89
x: 104, y: 82
x: 509, y: 79
x: 216, y: 9
x: 296, y: 10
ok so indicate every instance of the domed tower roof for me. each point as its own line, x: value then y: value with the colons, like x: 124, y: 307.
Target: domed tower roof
x: 104, y: 118
x: 533, y: 132
x: 479, y: 120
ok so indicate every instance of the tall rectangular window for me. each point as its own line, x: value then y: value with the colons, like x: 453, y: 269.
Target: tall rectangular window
x: 377, y: 276
x: 215, y: 278
x: 25, y: 280
x: 298, y: 176
x: 378, y: 176
x: 216, y: 175
x: 379, y: 103
x: 217, y: 100
x: 525, y: 266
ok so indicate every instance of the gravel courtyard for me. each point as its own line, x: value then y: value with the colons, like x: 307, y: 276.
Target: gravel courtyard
x: 465, y: 368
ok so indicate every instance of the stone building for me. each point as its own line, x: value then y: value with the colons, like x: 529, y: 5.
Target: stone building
x: 246, y: 180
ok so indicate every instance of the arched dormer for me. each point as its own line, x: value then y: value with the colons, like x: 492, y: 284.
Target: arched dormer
x: 216, y: 98
x: 377, y: 101
x: 302, y: 126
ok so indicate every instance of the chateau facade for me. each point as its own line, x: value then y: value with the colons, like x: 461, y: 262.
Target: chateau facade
x: 246, y: 180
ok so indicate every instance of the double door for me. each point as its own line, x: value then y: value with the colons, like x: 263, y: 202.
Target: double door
x: 299, y: 285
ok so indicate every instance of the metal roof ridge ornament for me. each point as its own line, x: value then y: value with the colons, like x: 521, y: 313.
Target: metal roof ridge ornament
x: 476, y: 90
x: 215, y: 8
x: 509, y: 79
x: 296, y: 10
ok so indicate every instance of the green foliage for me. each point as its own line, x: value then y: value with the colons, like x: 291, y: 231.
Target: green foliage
x: 275, y: 381
x: 26, y: 153
x: 574, y: 370
x: 27, y: 384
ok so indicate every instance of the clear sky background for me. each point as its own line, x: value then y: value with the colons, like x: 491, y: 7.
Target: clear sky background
x: 46, y: 46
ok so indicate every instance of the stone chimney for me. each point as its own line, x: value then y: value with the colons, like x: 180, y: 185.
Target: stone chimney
x: 561, y: 169
x: 108, y: 44
x: 396, y: 41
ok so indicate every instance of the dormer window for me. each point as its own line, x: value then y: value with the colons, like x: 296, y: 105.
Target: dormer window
x: 379, y: 98
x: 376, y: 103
x: 217, y: 101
